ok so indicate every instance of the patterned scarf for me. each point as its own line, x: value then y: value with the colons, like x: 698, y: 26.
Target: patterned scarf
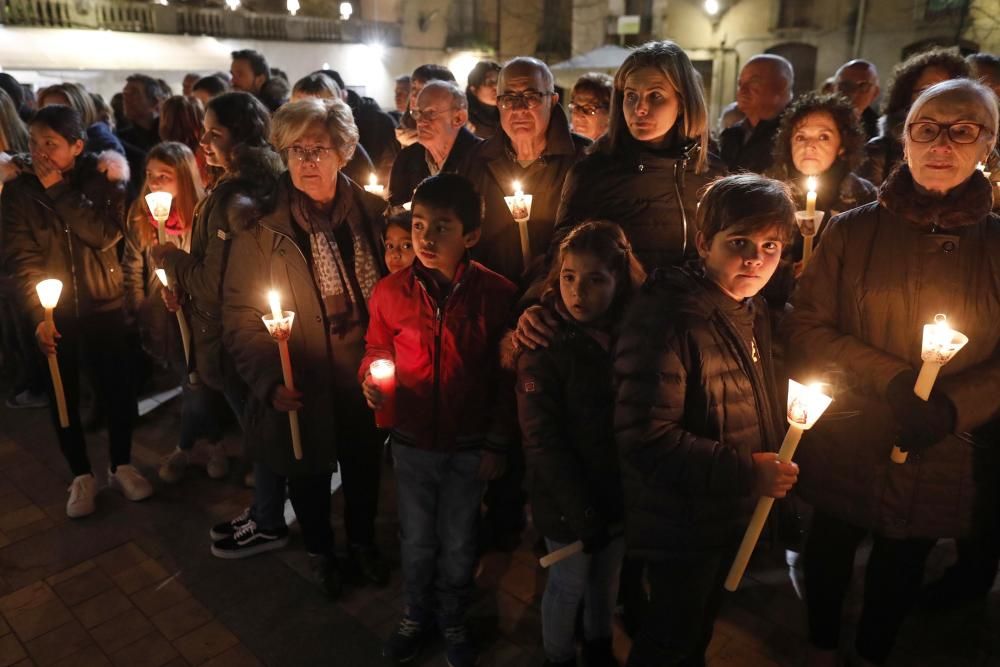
x: 345, y: 276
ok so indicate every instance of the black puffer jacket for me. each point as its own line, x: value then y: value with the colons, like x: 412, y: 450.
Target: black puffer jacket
x: 652, y: 195
x: 69, y: 231
x: 753, y: 154
x: 565, y: 404
x: 692, y: 406
x: 411, y: 167
x: 376, y: 132
x: 882, y: 272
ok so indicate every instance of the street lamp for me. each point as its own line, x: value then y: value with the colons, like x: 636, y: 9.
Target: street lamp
x: 293, y: 6
x: 233, y: 5
x: 346, y: 9
x: 712, y: 7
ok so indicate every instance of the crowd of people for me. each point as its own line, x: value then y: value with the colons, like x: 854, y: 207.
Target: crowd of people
x: 615, y: 365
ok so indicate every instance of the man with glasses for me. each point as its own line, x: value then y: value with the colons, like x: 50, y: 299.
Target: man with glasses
x: 443, y: 143
x: 857, y: 80
x: 534, y: 148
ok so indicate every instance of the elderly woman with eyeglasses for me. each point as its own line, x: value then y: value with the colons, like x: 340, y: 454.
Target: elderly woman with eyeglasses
x: 320, y: 248
x: 929, y: 245
x: 589, y: 104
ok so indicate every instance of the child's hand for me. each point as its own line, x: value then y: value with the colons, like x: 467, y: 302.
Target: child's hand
x: 47, y: 335
x: 771, y: 477
x: 491, y: 465
x: 284, y: 399
x: 535, y: 328
x: 372, y: 393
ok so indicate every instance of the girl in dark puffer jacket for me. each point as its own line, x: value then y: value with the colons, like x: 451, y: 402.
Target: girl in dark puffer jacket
x: 565, y: 404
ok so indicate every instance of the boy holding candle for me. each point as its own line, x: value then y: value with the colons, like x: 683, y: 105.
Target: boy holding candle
x: 440, y: 320
x: 697, y: 415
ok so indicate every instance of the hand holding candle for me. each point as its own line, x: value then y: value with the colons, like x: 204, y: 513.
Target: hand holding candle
x: 940, y: 345
x: 383, y: 372
x: 805, y: 406
x: 159, y: 207
x: 520, y: 209
x: 279, y: 325
x: 182, y: 325
x: 48, y: 294
x: 809, y: 220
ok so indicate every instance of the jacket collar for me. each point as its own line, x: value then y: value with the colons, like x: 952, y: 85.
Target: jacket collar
x: 279, y: 219
x: 558, y: 139
x: 965, y: 205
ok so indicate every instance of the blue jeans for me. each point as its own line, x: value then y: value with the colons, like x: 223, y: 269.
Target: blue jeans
x: 588, y: 578
x: 438, y: 495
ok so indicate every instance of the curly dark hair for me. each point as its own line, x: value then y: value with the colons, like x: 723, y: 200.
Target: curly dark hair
x: 852, y: 136
x: 906, y: 73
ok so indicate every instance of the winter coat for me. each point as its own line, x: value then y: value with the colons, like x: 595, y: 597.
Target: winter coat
x: 198, y: 274
x: 753, y: 154
x: 450, y: 393
x: 882, y: 272
x: 493, y: 170
x: 565, y: 404
x: 69, y: 231
x: 484, y: 120
x: 100, y: 138
x: 410, y: 167
x: 885, y: 151
x: 158, y: 330
x: 271, y: 254
x: 652, y: 195
x: 376, y: 132
x: 694, y: 401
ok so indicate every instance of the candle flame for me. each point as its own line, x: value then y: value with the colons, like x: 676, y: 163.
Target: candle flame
x: 162, y: 275
x: 48, y: 292
x: 811, y: 184
x: 372, y: 179
x: 517, y: 189
x: 275, y: 302
x: 806, y: 403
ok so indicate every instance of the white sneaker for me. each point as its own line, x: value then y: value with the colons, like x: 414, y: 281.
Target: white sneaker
x: 218, y: 465
x: 130, y: 482
x: 172, y: 468
x: 81, y: 496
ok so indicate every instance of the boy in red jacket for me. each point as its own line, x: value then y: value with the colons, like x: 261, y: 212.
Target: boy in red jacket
x: 440, y: 320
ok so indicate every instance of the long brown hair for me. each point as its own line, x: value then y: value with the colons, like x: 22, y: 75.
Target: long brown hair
x: 178, y: 157
x: 181, y: 120
x: 606, y: 241
x: 674, y: 63
x: 13, y: 132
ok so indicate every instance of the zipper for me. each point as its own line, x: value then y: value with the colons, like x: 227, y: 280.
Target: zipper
x: 72, y: 269
x: 748, y: 352
x: 680, y: 200
x: 439, y: 311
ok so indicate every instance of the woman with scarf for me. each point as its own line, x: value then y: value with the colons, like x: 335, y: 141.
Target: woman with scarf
x: 320, y: 248
x: 929, y: 245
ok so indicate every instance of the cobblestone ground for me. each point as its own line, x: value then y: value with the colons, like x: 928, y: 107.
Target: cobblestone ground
x: 134, y: 585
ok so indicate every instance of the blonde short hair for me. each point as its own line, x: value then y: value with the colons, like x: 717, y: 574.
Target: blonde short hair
x: 294, y: 119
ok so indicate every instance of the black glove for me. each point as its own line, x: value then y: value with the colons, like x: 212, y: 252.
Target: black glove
x: 921, y: 423
x: 596, y: 536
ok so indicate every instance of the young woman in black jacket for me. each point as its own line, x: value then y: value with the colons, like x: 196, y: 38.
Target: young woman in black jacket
x: 63, y: 219
x: 565, y: 405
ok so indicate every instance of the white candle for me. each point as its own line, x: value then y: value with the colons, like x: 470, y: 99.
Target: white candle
x: 159, y: 207
x: 48, y: 294
x: 811, y: 195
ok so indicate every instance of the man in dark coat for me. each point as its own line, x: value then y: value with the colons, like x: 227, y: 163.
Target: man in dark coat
x: 765, y: 89
x: 857, y: 80
x: 376, y: 128
x: 443, y: 143
x: 536, y: 149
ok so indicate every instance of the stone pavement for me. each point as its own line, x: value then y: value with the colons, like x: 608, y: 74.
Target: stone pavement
x: 134, y: 585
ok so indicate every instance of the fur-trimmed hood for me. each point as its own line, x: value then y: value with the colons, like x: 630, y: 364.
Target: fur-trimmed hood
x: 964, y: 205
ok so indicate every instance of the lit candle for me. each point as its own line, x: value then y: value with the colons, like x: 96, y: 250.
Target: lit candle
x: 48, y: 294
x: 940, y: 345
x: 383, y: 373
x: 279, y: 325
x: 159, y: 207
x: 811, y: 195
x: 182, y: 325
x: 520, y: 209
x: 805, y: 406
x: 373, y: 186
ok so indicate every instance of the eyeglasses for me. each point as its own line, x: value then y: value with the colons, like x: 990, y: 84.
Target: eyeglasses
x: 848, y: 87
x: 587, y: 109
x: 529, y: 100
x: 429, y: 115
x: 925, y: 131
x: 314, y: 154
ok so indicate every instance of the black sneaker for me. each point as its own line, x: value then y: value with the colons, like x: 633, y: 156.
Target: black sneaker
x: 405, y: 643
x: 366, y: 563
x: 326, y: 573
x: 248, y: 541
x: 221, y: 531
x: 461, y: 652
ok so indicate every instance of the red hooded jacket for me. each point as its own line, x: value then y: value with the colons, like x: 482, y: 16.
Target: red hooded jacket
x: 450, y: 391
